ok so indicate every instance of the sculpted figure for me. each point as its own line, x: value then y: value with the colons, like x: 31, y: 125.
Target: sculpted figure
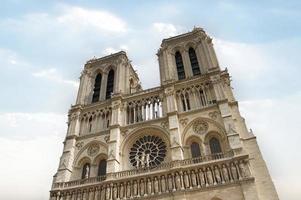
x: 108, y: 192
x: 137, y: 161
x: 147, y: 159
x: 149, y: 186
x: 142, y: 188
x: 193, y: 179
x: 87, y: 171
x: 186, y: 180
x: 225, y: 174
x: 115, y: 191
x: 128, y: 189
x: 135, y: 189
x: 209, y: 176
x: 163, y: 185
x: 201, y: 178
x: 142, y: 160
x: 217, y: 175
x: 156, y: 185
x: 121, y: 191
x: 103, y: 194
x: 243, y: 170
x: 170, y: 182
x: 178, y: 181
x: 233, y: 171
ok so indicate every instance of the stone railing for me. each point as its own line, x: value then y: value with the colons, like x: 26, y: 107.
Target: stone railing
x: 194, y: 176
x: 195, y: 96
x: 144, y: 107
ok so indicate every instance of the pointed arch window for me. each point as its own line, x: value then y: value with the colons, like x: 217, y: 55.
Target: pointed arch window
x: 86, y: 171
x: 215, y: 148
x: 180, y: 66
x: 90, y: 124
x: 110, y: 84
x: 195, y: 150
x: 194, y: 62
x: 102, y: 168
x: 96, y: 90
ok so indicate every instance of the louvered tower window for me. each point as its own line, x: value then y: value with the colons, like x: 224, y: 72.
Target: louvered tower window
x: 180, y: 66
x: 194, y: 62
x: 110, y: 84
x: 96, y: 90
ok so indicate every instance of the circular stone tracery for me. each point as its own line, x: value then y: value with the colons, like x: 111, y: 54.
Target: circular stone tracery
x: 147, y: 151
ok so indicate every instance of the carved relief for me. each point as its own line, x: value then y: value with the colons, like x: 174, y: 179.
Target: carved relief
x: 213, y: 115
x: 165, y: 124
x: 93, y: 149
x: 184, y: 121
x: 200, y: 127
x: 79, y: 145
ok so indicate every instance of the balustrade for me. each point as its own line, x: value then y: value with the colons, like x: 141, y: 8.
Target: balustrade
x: 193, y: 176
x: 144, y: 109
x: 195, y: 96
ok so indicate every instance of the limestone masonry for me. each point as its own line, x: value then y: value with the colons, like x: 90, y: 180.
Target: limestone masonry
x: 182, y: 140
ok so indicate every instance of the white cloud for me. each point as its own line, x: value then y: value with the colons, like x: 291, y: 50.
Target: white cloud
x: 53, y: 75
x: 111, y: 50
x: 245, y: 61
x: 30, y: 146
x: 276, y: 124
x: 165, y: 29
x: 81, y: 18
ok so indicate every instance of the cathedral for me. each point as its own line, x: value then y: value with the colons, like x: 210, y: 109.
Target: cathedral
x: 184, y: 139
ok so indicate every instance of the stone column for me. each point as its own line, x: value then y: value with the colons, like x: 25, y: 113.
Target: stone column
x: 103, y: 87
x: 113, y: 162
x: 173, y: 121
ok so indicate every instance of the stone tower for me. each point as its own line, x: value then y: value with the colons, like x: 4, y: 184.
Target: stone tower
x: 182, y: 140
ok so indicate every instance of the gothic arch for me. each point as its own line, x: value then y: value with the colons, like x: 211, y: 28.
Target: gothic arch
x: 103, y: 148
x: 99, y: 157
x: 190, y: 44
x: 212, y: 124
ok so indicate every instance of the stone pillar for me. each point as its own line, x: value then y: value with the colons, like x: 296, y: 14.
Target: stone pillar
x: 103, y: 87
x: 173, y: 121
x: 113, y: 162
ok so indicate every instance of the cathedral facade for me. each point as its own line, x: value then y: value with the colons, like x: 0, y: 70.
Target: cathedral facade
x: 182, y: 140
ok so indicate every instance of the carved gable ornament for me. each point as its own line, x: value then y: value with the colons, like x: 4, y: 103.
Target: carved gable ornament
x: 93, y: 149
x: 200, y: 127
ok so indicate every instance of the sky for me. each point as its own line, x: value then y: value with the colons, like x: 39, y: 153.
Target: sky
x: 43, y: 47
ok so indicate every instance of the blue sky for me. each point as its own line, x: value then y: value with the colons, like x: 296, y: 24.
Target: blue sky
x: 43, y: 47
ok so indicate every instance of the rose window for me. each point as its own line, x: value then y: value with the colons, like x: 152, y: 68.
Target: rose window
x: 147, y: 151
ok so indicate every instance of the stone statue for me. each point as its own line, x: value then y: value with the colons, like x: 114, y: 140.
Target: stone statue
x: 163, y: 185
x: 193, y: 179
x: 202, y: 179
x: 147, y: 159
x: 217, y: 175
x: 108, y: 192
x: 115, y: 191
x: 121, y: 192
x: 170, y: 182
x: 243, y: 170
x: 209, y: 177
x: 149, y: 186
x: 87, y: 171
x: 142, y: 188
x: 225, y: 174
x: 178, y: 181
x: 137, y: 161
x: 142, y: 160
x: 103, y: 194
x: 135, y: 191
x: 156, y: 185
x: 186, y: 180
x: 233, y: 171
x: 128, y: 189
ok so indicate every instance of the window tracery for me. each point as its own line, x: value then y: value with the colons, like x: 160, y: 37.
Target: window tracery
x: 147, y: 151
